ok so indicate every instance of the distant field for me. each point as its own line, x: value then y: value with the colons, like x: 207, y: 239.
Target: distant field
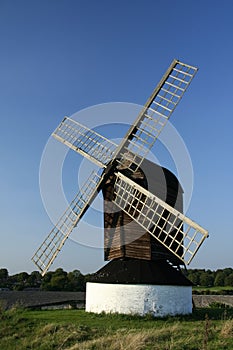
x: 210, y: 329
x: 212, y: 289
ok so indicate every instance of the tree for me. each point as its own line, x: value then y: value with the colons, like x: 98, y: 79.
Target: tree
x: 3, y: 274
x: 194, y: 277
x: 228, y: 281
x: 4, y: 278
x: 63, y: 281
x: 206, y: 279
x: 59, y: 280
x: 34, y: 280
x: 20, y: 280
x: 76, y: 281
x: 55, y: 280
x: 219, y: 278
x: 46, y: 279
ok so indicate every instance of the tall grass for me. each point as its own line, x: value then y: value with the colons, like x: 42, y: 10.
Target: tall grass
x: 206, y: 329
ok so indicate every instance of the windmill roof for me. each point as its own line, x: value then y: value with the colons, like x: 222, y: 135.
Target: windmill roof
x: 139, y: 271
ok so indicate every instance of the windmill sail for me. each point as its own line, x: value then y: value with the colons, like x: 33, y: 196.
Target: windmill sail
x: 85, y: 141
x: 51, y: 246
x: 154, y: 116
x: 163, y: 222
x: 143, y: 133
x: 175, y: 231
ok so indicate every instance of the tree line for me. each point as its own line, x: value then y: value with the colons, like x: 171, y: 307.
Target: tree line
x: 208, y: 278
x: 60, y: 280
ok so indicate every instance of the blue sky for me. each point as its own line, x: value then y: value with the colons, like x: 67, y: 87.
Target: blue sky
x: 58, y: 57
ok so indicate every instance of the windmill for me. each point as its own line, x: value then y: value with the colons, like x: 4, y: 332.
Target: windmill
x: 147, y: 237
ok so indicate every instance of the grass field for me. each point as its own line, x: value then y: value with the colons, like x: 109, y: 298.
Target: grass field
x: 210, y: 329
x: 209, y: 290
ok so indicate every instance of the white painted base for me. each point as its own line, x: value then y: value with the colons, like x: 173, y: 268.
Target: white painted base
x: 158, y: 300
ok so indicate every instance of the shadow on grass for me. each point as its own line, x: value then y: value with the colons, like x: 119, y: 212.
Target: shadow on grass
x: 198, y: 314
x: 213, y: 313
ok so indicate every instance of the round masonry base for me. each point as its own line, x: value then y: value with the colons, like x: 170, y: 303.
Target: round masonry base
x: 138, y: 299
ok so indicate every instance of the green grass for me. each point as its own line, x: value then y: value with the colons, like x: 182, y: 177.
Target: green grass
x: 205, y: 329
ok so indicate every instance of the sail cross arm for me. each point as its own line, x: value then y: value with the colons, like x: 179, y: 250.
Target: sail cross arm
x: 179, y: 234
x: 154, y: 115
x: 85, y: 141
x: 49, y: 249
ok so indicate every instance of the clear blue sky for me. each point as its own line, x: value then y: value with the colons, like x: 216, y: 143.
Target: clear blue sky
x: 58, y: 57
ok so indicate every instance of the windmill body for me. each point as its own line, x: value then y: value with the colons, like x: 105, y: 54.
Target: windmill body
x: 147, y: 237
x: 143, y: 276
